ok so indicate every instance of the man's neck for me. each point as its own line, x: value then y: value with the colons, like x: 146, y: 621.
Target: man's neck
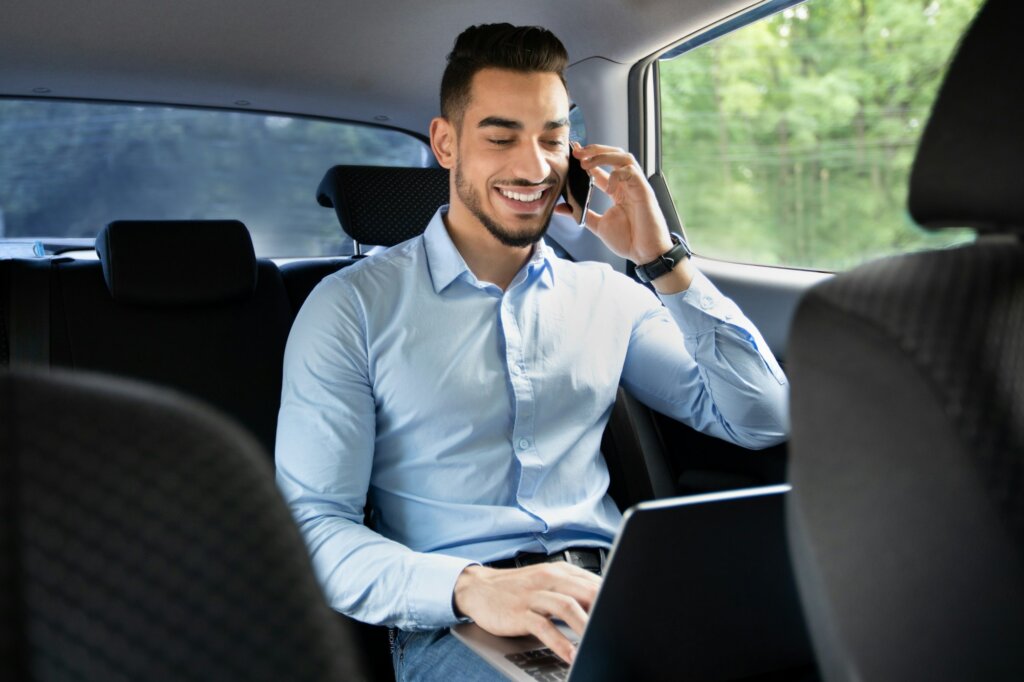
x: 488, y: 259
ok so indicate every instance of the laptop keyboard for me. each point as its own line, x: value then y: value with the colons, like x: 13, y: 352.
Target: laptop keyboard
x: 541, y: 664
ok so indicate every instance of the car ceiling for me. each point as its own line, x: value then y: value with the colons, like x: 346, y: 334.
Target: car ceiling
x: 339, y: 59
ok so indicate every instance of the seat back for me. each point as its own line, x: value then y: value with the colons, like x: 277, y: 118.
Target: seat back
x: 907, y: 448
x: 183, y: 304
x: 381, y: 205
x: 143, y: 538
x: 376, y: 206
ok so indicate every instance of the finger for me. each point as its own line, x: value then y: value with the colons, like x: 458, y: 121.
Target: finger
x: 566, y: 609
x: 622, y: 178
x: 556, y: 570
x: 544, y: 630
x: 591, y: 149
x: 613, y: 159
x: 583, y: 592
x: 600, y: 176
x: 571, y: 581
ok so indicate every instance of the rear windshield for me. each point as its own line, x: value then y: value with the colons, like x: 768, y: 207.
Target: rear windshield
x: 69, y: 168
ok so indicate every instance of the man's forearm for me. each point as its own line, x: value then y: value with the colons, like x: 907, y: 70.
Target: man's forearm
x: 376, y: 580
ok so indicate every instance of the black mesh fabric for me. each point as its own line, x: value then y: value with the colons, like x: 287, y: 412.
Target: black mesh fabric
x: 906, y: 457
x: 5, y: 293
x: 228, y: 353
x: 959, y: 317
x: 177, y: 262
x: 381, y: 205
x: 967, y: 171
x: 152, y: 544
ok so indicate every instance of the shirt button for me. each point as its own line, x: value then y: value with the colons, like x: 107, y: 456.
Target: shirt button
x: 707, y: 303
x: 516, y: 370
x: 523, y: 444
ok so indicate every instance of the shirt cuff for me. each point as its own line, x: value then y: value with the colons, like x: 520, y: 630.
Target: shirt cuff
x: 431, y: 597
x: 702, y: 307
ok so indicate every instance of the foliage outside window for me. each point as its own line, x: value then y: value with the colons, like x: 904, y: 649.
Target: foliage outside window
x: 790, y: 141
x: 69, y: 168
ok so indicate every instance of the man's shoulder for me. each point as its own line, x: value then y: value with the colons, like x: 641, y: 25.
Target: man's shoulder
x: 369, y: 282
x: 392, y: 265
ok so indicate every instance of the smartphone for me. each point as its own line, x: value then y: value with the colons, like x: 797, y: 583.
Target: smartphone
x: 577, y: 189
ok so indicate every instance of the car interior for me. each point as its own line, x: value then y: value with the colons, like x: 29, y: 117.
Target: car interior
x: 142, y: 331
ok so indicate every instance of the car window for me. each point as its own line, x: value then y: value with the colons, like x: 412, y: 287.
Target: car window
x: 69, y: 168
x: 789, y: 141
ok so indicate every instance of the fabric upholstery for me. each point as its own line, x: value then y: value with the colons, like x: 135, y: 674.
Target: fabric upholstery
x: 906, y: 462
x: 958, y: 316
x: 413, y: 195
x: 906, y: 517
x: 228, y: 354
x: 5, y: 293
x: 149, y: 543
x: 968, y: 167
x: 177, y: 262
x: 301, y: 277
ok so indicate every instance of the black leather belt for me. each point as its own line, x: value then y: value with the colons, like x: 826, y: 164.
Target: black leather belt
x: 589, y: 558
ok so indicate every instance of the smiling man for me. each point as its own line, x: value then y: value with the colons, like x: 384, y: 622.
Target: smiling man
x: 461, y: 381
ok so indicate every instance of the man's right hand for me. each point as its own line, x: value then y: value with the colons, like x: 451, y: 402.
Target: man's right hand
x: 510, y: 602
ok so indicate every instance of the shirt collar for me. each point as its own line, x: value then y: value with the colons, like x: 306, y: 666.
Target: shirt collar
x: 446, y: 264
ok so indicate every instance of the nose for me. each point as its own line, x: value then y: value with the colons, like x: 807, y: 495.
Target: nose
x: 532, y: 163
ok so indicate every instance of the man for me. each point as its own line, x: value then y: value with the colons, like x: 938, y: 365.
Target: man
x: 462, y: 380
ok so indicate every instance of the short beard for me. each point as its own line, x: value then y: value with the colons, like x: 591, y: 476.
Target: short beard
x: 499, y: 232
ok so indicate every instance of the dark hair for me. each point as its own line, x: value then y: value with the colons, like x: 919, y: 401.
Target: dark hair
x: 500, y: 46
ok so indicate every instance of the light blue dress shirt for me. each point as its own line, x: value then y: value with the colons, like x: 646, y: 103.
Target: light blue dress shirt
x: 472, y: 417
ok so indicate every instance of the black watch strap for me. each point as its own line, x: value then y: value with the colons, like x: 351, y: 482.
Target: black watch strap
x: 648, y: 272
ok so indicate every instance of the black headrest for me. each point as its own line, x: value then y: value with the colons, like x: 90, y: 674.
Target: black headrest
x: 968, y: 167
x: 177, y: 262
x: 381, y: 205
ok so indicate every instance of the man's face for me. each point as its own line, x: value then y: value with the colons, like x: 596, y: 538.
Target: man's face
x: 512, y: 153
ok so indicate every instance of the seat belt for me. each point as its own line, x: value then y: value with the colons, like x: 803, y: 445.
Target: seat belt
x: 29, y: 310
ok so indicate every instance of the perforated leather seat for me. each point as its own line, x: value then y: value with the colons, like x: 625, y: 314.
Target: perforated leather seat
x: 907, y: 450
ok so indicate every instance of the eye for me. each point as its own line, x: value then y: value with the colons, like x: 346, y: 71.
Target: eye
x: 556, y: 144
x: 500, y: 142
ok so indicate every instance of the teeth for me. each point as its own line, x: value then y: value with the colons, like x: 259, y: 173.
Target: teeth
x: 522, y: 197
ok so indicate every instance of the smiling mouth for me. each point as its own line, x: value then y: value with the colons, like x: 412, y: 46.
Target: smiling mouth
x: 524, y: 201
x: 522, y: 196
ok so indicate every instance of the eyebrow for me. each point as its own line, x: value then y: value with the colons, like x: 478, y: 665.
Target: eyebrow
x: 498, y: 122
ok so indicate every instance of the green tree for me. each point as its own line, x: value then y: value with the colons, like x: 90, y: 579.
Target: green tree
x: 790, y: 140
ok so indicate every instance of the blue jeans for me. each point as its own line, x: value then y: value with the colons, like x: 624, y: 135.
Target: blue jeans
x: 436, y: 655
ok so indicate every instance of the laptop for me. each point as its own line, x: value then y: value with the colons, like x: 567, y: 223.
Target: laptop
x: 695, y: 588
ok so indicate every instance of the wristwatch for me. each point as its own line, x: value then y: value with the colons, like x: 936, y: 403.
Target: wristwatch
x: 648, y: 272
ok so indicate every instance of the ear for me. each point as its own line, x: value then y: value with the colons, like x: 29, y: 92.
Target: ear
x: 443, y: 142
